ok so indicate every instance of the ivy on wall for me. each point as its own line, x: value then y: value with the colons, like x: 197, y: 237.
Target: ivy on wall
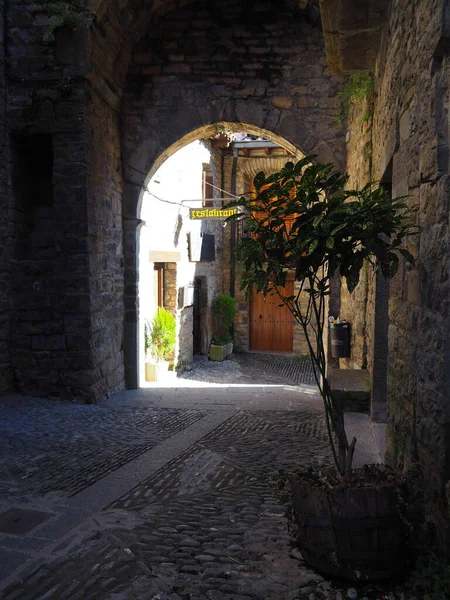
x: 66, y: 14
x: 359, y: 86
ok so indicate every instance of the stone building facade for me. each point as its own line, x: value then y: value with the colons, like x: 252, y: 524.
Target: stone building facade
x: 89, y: 112
x: 236, y: 166
x: 177, y: 253
x: 401, y: 329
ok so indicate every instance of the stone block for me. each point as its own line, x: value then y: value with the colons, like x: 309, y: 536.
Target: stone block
x: 405, y: 163
x: 352, y: 388
x: 78, y: 341
x: 86, y: 377
x: 142, y: 58
x: 282, y: 102
x: 48, y: 342
x: 178, y: 68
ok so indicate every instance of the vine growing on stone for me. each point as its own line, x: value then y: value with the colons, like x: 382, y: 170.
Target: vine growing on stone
x: 359, y: 86
x: 66, y: 14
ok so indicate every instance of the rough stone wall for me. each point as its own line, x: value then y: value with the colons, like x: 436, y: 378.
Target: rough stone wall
x: 226, y: 257
x: 218, y: 172
x: 5, y: 361
x: 106, y: 261
x: 50, y: 300
x: 170, y: 302
x: 200, y: 66
x: 66, y: 297
x: 105, y: 63
x: 411, y: 129
x: 357, y: 306
x: 71, y: 333
x: 300, y: 345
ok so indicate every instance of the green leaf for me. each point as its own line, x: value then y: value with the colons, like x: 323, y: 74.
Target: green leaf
x: 318, y: 219
x: 338, y: 228
x: 393, y: 266
x: 330, y: 243
x: 407, y: 256
x: 313, y: 245
x: 352, y: 280
x: 259, y: 180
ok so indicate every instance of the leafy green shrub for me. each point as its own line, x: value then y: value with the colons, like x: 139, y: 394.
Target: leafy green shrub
x: 223, y: 312
x: 160, y: 336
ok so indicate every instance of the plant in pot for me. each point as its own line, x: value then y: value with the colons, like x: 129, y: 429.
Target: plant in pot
x: 160, y: 339
x: 302, y: 220
x: 223, y: 311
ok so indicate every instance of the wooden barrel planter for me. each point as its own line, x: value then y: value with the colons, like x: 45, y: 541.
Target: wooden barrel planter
x: 354, y: 533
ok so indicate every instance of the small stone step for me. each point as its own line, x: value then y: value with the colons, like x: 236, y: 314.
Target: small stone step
x: 352, y: 387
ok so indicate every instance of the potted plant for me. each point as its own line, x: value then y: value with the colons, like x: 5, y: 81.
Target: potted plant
x: 223, y: 311
x: 160, y: 339
x: 303, y: 220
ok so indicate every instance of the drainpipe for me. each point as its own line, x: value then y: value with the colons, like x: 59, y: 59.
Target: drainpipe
x: 233, y: 226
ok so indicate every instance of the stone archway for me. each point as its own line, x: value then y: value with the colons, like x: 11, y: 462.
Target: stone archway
x: 194, y: 68
x: 117, y: 94
x: 215, y: 276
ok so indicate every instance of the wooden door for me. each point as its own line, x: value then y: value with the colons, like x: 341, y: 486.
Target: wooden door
x: 271, y: 325
x: 197, y: 329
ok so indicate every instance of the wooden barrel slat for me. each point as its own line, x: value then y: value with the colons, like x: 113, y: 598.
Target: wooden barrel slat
x: 339, y: 510
x: 354, y: 523
x: 372, y: 513
x: 350, y: 532
x: 372, y: 555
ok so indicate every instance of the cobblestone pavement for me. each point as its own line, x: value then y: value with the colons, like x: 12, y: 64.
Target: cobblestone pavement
x: 208, y: 522
x: 250, y: 367
x: 48, y: 446
x: 192, y: 515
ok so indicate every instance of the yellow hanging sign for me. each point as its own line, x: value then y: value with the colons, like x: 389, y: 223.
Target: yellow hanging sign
x: 196, y: 214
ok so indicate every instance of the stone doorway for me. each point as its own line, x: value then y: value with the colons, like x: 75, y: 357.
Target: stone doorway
x: 202, y: 270
x: 147, y: 81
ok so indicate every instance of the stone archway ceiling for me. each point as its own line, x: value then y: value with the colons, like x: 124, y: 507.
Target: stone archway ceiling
x: 208, y: 131
x: 352, y: 31
x: 120, y: 25
x: 161, y: 7
x: 251, y: 166
x: 351, y: 28
x: 136, y: 15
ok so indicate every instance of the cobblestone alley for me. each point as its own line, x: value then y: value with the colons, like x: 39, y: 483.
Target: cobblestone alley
x: 162, y: 493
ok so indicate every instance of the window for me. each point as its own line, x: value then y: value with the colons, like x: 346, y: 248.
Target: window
x: 201, y: 247
x: 207, y: 186
x: 159, y: 283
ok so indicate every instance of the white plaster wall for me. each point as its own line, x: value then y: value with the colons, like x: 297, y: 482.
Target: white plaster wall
x: 175, y: 187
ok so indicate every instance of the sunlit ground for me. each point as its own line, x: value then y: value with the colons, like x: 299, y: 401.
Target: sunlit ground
x: 240, y: 374
x: 192, y: 379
